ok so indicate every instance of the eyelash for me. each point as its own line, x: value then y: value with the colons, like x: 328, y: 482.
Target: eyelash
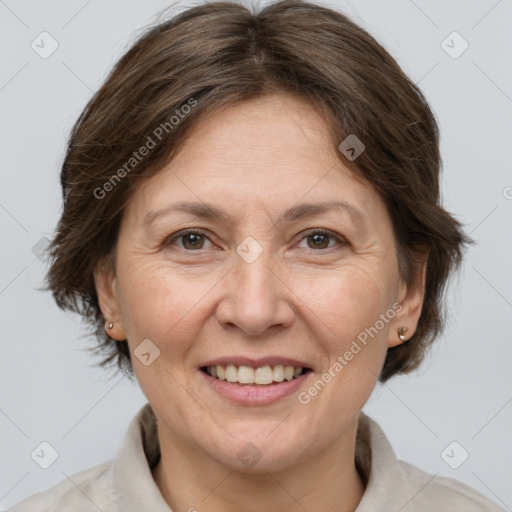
x: 317, y: 231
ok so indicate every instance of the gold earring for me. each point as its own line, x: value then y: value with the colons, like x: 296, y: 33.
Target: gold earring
x: 401, y: 333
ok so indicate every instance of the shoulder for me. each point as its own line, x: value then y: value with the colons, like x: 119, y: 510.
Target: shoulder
x: 85, y: 491
x: 402, y: 486
x: 433, y: 492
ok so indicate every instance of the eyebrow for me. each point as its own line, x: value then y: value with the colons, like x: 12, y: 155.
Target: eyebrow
x: 209, y: 211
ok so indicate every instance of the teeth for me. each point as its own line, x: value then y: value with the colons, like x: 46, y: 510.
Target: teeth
x: 263, y: 375
x: 247, y: 375
x: 231, y: 373
x: 278, y: 373
x: 288, y: 372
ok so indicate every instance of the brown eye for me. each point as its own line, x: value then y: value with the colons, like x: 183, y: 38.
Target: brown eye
x: 191, y: 240
x: 319, y: 239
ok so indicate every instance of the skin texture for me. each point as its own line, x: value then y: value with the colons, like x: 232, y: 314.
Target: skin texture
x: 255, y: 160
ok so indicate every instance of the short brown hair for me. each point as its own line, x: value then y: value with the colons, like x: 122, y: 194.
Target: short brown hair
x: 215, y: 55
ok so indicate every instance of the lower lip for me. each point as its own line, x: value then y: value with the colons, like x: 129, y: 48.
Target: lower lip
x: 255, y: 395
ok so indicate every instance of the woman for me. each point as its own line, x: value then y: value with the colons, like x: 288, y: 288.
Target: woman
x: 252, y: 226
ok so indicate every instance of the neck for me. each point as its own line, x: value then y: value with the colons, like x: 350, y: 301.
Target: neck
x: 188, y: 479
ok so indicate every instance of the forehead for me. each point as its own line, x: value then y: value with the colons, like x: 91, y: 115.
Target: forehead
x: 272, y: 152
x: 277, y: 129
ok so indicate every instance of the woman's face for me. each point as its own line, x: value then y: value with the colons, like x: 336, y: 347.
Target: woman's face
x: 257, y: 282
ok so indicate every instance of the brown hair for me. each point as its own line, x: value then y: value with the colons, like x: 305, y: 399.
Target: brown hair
x: 221, y: 53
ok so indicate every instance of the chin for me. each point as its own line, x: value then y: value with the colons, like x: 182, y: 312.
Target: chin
x: 261, y: 453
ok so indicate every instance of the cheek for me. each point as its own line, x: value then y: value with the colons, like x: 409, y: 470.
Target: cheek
x: 347, y: 309
x: 158, y: 304
x: 349, y: 300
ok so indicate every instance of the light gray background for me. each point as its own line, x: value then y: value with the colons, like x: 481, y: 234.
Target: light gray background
x: 50, y: 390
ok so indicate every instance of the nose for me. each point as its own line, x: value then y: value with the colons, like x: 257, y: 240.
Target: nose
x: 256, y: 297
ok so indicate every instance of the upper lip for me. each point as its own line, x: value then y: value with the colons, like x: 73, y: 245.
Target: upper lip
x: 256, y: 362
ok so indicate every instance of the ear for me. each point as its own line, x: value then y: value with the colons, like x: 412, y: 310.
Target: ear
x: 411, y: 299
x: 106, y: 281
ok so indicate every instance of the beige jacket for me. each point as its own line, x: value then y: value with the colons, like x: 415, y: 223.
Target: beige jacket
x: 125, y: 484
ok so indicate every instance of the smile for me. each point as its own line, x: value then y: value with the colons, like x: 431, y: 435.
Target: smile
x: 254, y: 385
x: 261, y: 376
